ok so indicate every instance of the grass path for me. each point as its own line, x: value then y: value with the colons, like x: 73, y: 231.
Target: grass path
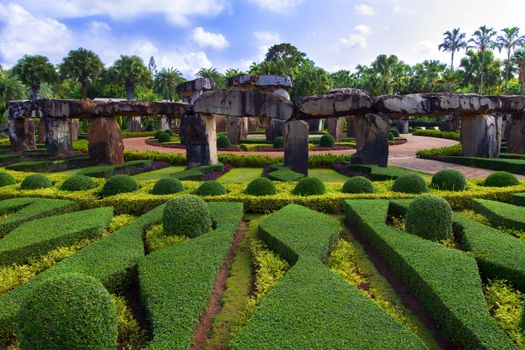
x: 327, y: 175
x: 159, y: 174
x: 241, y: 175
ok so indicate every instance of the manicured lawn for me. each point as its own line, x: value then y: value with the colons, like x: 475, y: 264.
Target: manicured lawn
x: 159, y: 174
x: 88, y: 168
x: 240, y: 175
x: 328, y: 175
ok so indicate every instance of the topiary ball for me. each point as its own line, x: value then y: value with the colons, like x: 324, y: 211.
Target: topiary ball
x: 390, y: 136
x: 395, y: 132
x: 157, y: 133
x: 78, y: 183
x: 429, y: 217
x: 164, y: 137
x: 6, y: 179
x: 168, y: 185
x: 261, y: 187
x: 501, y: 179
x: 68, y: 311
x: 211, y: 188
x: 309, y: 186
x: 410, y: 183
x: 449, y: 180
x: 35, y: 181
x: 327, y: 141
x: 278, y: 142
x: 223, y: 141
x: 186, y: 215
x: 169, y: 132
x: 119, y: 184
x: 358, y: 184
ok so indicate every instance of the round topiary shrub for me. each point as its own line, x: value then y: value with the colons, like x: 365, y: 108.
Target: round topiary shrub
x: 395, y: 132
x: 211, y: 188
x: 410, y: 183
x: 390, y: 136
x: 309, y: 186
x: 168, y: 185
x: 169, y: 132
x: 449, y: 180
x: 119, y: 184
x: 501, y: 179
x: 327, y: 141
x: 261, y: 187
x: 78, y: 183
x: 69, y: 311
x: 157, y: 133
x: 278, y: 142
x: 35, y: 181
x: 164, y: 137
x: 358, y: 184
x: 6, y: 179
x: 429, y: 217
x: 186, y: 215
x: 223, y: 141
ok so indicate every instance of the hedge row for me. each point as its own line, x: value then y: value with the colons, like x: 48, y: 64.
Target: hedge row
x: 445, y: 281
x: 176, y: 282
x: 26, y: 242
x: 501, y: 214
x: 197, y: 174
x: 515, y: 166
x: 311, y: 307
x: 451, y: 135
x: 377, y: 173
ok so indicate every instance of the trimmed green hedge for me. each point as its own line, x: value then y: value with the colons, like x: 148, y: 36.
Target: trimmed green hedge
x: 78, y: 183
x: 515, y: 166
x: 35, y: 182
x: 309, y: 186
x: 30, y: 166
x: 430, y: 217
x: 123, y: 168
x: 410, y: 183
x: 100, y: 171
x: 196, y: 174
x: 285, y: 174
x: 358, y: 184
x: 450, y: 135
x: 261, y: 187
x: 167, y: 185
x: 377, y: 173
x: 211, y: 188
x: 445, y: 281
x: 501, y: 179
x: 119, y: 184
x: 501, y: 214
x: 6, y: 179
x: 449, y: 180
x: 187, y: 215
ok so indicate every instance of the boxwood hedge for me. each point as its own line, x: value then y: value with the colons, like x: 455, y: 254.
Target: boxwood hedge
x: 501, y: 214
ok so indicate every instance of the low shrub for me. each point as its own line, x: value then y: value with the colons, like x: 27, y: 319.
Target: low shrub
x: 285, y: 174
x: 35, y: 182
x: 429, y: 217
x: 78, y: 183
x: 167, y: 186
x: 70, y: 311
x: 211, y: 188
x: 223, y: 141
x: 410, y: 183
x: 278, y: 142
x: 501, y: 214
x: 390, y: 136
x: 6, y: 179
x: 309, y: 186
x: 436, y: 153
x: 198, y: 173
x: 501, y: 179
x: 375, y: 172
x: 515, y: 166
x: 261, y: 187
x: 451, y: 135
x: 327, y: 141
x: 187, y: 215
x: 395, y: 132
x: 119, y: 184
x: 164, y: 137
x: 449, y: 180
x: 31, y: 166
x: 100, y: 171
x: 358, y: 184
x: 134, y: 164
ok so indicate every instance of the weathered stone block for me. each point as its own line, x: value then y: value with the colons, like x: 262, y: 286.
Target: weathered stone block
x: 296, y: 146
x: 74, y: 126
x: 105, y: 141
x: 372, y: 140
x: 450, y: 123
x: 200, y: 138
x: 134, y: 124
x: 335, y: 128
x: 315, y: 125
x: 350, y: 126
x: 516, y: 134
x: 401, y: 125
x: 336, y: 103
x: 481, y: 135
x: 237, y: 129
x: 58, y: 137
x: 42, y: 132
x: 165, y: 123
x: 220, y: 123
x: 22, y: 134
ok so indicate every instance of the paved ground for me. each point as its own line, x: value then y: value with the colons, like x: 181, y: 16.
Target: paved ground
x: 400, y: 155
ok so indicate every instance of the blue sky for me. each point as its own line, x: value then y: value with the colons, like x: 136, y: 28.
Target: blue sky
x: 190, y: 34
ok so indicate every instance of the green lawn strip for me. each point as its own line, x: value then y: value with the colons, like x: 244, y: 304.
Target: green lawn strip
x: 111, y: 260
x: 445, y: 281
x: 241, y: 175
x: 159, y: 174
x: 176, y: 282
x: 501, y: 214
x: 328, y: 175
x: 378, y: 173
x: 516, y: 166
x: 27, y: 209
x: 312, y: 307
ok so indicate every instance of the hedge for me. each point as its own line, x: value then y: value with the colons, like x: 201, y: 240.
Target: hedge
x: 100, y: 171
x: 445, y: 281
x: 451, y: 135
x: 196, y: 174
x: 26, y: 242
x: 377, y: 173
x: 134, y: 164
x: 285, y: 174
x: 501, y: 214
x: 518, y: 199
x: 515, y: 166
x: 175, y: 285
x: 35, y: 166
x: 311, y: 307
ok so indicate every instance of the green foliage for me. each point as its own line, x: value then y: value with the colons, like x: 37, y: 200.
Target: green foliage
x: 309, y: 186
x: 131, y: 72
x: 516, y: 166
x: 410, y: 183
x: 156, y: 240
x: 358, y: 184
x: 78, y: 183
x: 450, y: 135
x: 186, y: 215
x: 166, y: 82
x: 30, y: 166
x: 99, y: 171
x: 35, y: 181
x: 430, y: 217
x: 501, y: 179
x: 501, y: 214
x: 33, y: 71
x: 223, y: 141
x: 434, y: 153
x: 390, y: 136
x: 83, y: 66
x: 167, y: 186
x: 278, y: 142
x: 211, y: 188
x: 395, y: 132
x: 163, y: 137
x: 70, y: 311
x: 261, y: 187
x: 377, y: 173
x: 119, y: 184
x: 134, y: 164
x: 130, y: 335
x: 285, y: 174
x: 449, y: 180
x: 6, y: 179
x: 327, y: 141
x: 196, y: 174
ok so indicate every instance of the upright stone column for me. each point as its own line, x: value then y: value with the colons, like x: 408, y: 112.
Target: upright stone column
x: 481, y: 135
x: 134, y: 124
x: 220, y: 123
x: 450, y: 123
x: 199, y: 137
x: 74, y: 126
x: 335, y: 128
x: 350, y: 126
x: 22, y: 134
x: 237, y: 129
x: 105, y: 142
x: 401, y: 125
x: 58, y: 136
x: 315, y: 125
x: 516, y: 134
x: 372, y: 140
x: 165, y: 123
x: 41, y: 131
x: 296, y: 146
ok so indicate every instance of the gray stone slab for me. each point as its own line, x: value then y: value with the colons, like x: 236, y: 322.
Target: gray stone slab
x: 481, y: 135
x: 295, y: 135
x: 372, y: 140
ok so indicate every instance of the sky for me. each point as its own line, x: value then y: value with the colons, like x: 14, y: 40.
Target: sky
x: 191, y: 34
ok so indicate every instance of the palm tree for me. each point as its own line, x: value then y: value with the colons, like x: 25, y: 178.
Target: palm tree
x: 166, y: 82
x: 453, y: 41
x: 130, y: 71
x: 519, y: 58
x: 509, y: 41
x: 33, y: 71
x: 82, y: 65
x: 483, y: 41
x: 11, y: 88
x: 214, y: 74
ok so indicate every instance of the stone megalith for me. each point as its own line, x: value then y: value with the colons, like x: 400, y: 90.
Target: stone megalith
x: 401, y: 125
x: 335, y: 128
x: 22, y: 134
x: 296, y: 146
x: 516, y: 134
x: 372, y: 140
x: 481, y: 135
x: 105, y: 141
x: 199, y: 136
x: 450, y: 123
x: 74, y: 126
x: 58, y: 136
x: 42, y: 131
x: 350, y: 126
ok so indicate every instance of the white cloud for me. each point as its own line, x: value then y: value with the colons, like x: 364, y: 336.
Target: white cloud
x: 363, y: 29
x: 96, y: 26
x: 280, y: 6
x: 268, y: 37
x: 425, y: 47
x: 364, y: 10
x: 353, y: 41
x: 206, y: 39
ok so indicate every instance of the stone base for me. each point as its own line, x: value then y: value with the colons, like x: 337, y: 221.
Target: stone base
x: 372, y: 140
x: 74, y: 126
x: 401, y: 125
x: 237, y: 129
x: 58, y: 137
x: 22, y: 134
x: 41, y: 132
x: 296, y: 146
x: 481, y: 136
x: 199, y: 136
x: 516, y: 134
x: 105, y: 142
x: 335, y: 128
x: 350, y: 126
x: 134, y: 124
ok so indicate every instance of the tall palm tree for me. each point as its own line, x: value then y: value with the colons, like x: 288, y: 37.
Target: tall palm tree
x: 509, y: 41
x: 213, y: 73
x: 130, y: 71
x: 11, y: 88
x: 166, y: 82
x: 33, y: 71
x: 453, y: 41
x: 483, y: 40
x: 519, y: 58
x: 83, y: 66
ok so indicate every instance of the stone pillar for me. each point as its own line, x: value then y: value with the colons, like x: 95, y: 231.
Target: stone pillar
x: 74, y: 126
x: 105, y: 141
x: 199, y: 137
x: 22, y: 134
x: 237, y: 129
x: 516, y: 134
x: 58, y: 136
x: 335, y: 128
x: 220, y: 123
x: 450, y: 123
x: 481, y: 135
x: 165, y: 123
x: 134, y: 124
x: 253, y: 124
x: 315, y: 125
x: 401, y: 125
x: 296, y: 146
x: 350, y: 126
x: 41, y: 132
x: 372, y: 140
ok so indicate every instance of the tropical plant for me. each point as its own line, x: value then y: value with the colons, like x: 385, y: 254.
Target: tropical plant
x: 83, y: 66
x: 428, y: 76
x: 519, y: 58
x: 214, y: 74
x: 11, y: 88
x: 166, y: 82
x: 386, y: 75
x: 33, y: 71
x: 481, y: 69
x: 311, y: 80
x: 453, y: 41
x: 509, y: 41
x: 131, y: 72
x: 343, y: 79
x: 483, y: 40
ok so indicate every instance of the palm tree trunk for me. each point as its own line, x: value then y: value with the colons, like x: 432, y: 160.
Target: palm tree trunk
x: 507, y: 73
x: 35, y: 92
x: 522, y: 79
x: 482, y: 72
x: 84, y: 90
x: 129, y: 92
x: 452, y: 62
